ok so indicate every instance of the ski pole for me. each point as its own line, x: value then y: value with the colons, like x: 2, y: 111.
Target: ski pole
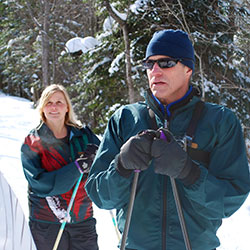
x: 130, y: 209
x: 179, y: 207
x: 180, y: 214
x: 114, y: 223
x: 58, y: 238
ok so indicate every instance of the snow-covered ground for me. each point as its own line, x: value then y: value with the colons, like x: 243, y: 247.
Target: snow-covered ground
x: 16, y: 119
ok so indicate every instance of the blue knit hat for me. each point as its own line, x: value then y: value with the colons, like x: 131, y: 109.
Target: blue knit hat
x: 172, y: 43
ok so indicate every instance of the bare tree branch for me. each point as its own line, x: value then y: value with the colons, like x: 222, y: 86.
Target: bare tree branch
x: 124, y: 27
x: 185, y: 27
x: 32, y: 16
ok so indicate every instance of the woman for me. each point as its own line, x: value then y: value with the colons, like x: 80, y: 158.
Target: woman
x: 53, y: 157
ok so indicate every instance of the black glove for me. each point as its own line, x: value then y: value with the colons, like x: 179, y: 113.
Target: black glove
x: 85, y: 161
x: 135, y: 153
x: 91, y: 150
x: 170, y: 159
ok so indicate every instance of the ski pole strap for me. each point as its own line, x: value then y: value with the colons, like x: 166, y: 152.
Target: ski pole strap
x: 78, y: 166
x: 162, y: 136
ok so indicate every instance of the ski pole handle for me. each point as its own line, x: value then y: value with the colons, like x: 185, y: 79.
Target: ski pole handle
x: 163, y: 136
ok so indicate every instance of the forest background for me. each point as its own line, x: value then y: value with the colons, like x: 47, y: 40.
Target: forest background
x: 100, y: 79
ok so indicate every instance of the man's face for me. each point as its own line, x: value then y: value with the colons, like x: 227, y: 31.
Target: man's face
x: 168, y: 84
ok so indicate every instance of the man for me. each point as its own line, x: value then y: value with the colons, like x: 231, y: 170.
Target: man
x: 212, y: 180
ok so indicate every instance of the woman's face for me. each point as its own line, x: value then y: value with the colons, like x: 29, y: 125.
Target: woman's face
x: 56, y: 107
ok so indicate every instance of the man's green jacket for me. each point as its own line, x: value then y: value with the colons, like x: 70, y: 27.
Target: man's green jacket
x: 221, y: 189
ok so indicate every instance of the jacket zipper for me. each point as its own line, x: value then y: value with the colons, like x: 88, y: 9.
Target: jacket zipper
x: 164, y: 215
x: 164, y: 223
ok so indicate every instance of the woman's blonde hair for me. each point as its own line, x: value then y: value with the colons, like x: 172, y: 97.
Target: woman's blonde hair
x: 70, y: 117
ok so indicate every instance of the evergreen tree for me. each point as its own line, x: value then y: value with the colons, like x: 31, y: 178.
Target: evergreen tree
x: 97, y: 80
x: 22, y: 41
x: 221, y: 61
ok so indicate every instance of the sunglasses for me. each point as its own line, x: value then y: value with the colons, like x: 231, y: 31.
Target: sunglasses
x: 162, y: 63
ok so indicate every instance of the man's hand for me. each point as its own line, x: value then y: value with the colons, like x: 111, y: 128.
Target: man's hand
x: 136, y: 153
x: 170, y: 158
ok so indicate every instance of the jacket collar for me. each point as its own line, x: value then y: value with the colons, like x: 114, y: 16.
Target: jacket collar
x: 44, y: 131
x: 166, y: 111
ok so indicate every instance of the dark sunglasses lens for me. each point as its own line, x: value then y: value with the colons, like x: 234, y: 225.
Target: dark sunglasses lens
x: 148, y: 64
x: 163, y: 63
x: 167, y: 63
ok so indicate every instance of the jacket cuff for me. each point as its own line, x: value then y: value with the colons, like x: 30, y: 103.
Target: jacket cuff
x: 190, y: 174
x: 120, y: 169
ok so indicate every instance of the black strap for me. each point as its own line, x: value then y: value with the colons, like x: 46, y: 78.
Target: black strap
x: 194, y: 120
x: 196, y: 154
x: 199, y: 155
x: 153, y: 123
x: 193, y: 152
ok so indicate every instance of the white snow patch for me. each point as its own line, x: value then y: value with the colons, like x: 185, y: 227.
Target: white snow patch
x: 84, y: 44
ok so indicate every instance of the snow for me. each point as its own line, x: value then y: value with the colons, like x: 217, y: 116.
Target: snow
x: 10, y: 43
x: 208, y: 85
x: 11, y: 235
x: 114, y: 67
x: 76, y: 44
x: 137, y: 5
x: 17, y: 118
x: 123, y: 16
x: 108, y: 23
x: 84, y: 44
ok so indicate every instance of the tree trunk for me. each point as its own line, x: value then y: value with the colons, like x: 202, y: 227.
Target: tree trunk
x: 123, y: 24
x: 45, y: 44
x: 131, y: 91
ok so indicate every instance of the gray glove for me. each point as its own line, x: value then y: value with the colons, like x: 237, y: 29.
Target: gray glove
x: 135, y: 153
x: 170, y: 158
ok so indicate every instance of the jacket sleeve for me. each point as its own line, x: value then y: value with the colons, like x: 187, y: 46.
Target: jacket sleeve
x: 224, y: 185
x: 42, y: 182
x: 105, y: 187
x: 91, y: 136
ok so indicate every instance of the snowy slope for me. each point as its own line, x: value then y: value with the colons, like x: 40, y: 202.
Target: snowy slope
x: 16, y: 119
x: 14, y: 230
